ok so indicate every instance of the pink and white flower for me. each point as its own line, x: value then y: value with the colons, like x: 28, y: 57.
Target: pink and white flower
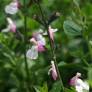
x: 12, y: 8
x: 53, y: 71
x: 32, y: 53
x: 51, y: 32
x: 38, y: 46
x: 78, y: 83
x: 11, y: 26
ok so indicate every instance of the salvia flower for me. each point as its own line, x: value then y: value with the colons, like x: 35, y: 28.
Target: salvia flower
x: 53, y: 71
x: 51, y: 32
x: 38, y: 46
x: 78, y: 83
x: 11, y: 26
x: 32, y: 53
x: 12, y: 8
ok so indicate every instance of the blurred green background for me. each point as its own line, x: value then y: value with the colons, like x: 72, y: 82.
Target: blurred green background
x: 73, y: 43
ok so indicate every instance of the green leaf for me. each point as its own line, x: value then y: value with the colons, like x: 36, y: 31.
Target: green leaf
x: 76, y: 2
x: 90, y: 76
x: 37, y: 89
x: 70, y: 90
x: 44, y: 88
x: 71, y: 28
x: 90, y: 73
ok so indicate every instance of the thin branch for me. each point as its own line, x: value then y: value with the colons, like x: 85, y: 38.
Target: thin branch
x: 25, y: 41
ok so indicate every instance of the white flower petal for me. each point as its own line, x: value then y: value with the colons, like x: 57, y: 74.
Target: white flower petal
x: 79, y: 88
x: 11, y: 8
x: 40, y: 39
x: 49, y: 71
x: 45, y: 33
x: 85, y: 86
x: 53, y: 30
x: 9, y: 20
x: 32, y: 53
x: 40, y: 31
x: 6, y: 29
x: 81, y: 85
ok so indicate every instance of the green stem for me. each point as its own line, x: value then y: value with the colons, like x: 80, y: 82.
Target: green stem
x: 89, y: 47
x: 51, y: 46
x: 85, y: 62
x: 87, y: 42
x: 25, y: 41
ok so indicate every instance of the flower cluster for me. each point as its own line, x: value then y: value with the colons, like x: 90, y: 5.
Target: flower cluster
x: 37, y: 39
x: 38, y: 45
x: 78, y: 83
x: 39, y: 42
x: 11, y: 9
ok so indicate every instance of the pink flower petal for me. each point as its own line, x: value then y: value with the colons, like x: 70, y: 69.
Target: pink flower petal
x: 13, y: 28
x: 41, y: 48
x: 33, y: 41
x: 74, y: 79
x: 51, y: 32
x: 12, y: 25
x: 53, y: 71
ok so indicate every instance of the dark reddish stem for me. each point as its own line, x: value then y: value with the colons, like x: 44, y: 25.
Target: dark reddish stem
x: 51, y: 46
